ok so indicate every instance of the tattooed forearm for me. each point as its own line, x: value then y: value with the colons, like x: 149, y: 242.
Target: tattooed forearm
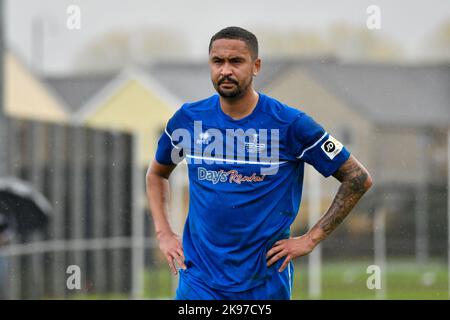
x: 355, y: 182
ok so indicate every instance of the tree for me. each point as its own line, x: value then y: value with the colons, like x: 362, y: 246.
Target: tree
x: 437, y: 45
x: 293, y: 43
x: 340, y: 40
x: 362, y: 44
x: 118, y: 48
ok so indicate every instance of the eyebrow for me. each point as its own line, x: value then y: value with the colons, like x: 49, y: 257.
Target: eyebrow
x: 230, y: 58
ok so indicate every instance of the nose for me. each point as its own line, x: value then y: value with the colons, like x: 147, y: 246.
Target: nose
x: 226, y: 70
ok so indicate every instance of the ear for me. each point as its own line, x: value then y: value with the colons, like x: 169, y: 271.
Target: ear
x: 256, y: 66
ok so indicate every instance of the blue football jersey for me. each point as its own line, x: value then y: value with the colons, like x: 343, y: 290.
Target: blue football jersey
x: 245, y: 183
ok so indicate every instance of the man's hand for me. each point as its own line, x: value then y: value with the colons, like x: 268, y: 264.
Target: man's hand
x: 355, y: 181
x: 158, y: 200
x: 291, y: 248
x: 170, y: 245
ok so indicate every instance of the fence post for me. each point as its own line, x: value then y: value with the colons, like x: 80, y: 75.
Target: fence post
x: 421, y: 209
x: 99, y: 212
x: 315, y: 257
x: 15, y: 263
x: 380, y: 249
x: 36, y: 176
x: 138, y: 222
x: 58, y: 190
x: 77, y: 199
x: 117, y: 201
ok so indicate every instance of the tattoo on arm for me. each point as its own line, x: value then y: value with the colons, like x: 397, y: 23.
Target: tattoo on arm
x: 355, y: 181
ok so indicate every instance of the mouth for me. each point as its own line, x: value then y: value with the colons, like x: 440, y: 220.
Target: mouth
x: 227, y: 84
x: 227, y: 80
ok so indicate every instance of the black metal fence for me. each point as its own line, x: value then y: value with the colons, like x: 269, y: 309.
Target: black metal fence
x: 87, y: 175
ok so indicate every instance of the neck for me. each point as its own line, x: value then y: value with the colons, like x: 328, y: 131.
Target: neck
x: 240, y: 107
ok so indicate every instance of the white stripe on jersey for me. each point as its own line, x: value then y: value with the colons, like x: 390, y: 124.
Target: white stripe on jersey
x: 315, y: 144
x: 235, y: 161
x: 171, y: 141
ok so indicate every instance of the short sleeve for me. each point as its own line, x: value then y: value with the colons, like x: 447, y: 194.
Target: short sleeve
x: 167, y: 151
x: 311, y: 143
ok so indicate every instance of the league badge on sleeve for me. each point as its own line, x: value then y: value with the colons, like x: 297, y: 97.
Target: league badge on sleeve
x: 331, y: 147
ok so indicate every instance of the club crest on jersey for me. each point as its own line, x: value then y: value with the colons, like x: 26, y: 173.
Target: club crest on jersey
x: 331, y: 147
x: 203, y: 138
x: 255, y: 146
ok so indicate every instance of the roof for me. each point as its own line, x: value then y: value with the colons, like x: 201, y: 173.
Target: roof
x: 39, y: 103
x: 114, y: 86
x: 76, y: 90
x: 400, y: 95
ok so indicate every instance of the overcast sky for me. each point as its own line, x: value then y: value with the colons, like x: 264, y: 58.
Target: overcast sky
x: 404, y: 21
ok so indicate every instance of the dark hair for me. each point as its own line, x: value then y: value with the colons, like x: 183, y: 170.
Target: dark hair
x: 238, y: 33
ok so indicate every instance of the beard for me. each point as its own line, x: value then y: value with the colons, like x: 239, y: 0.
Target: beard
x: 236, y: 92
